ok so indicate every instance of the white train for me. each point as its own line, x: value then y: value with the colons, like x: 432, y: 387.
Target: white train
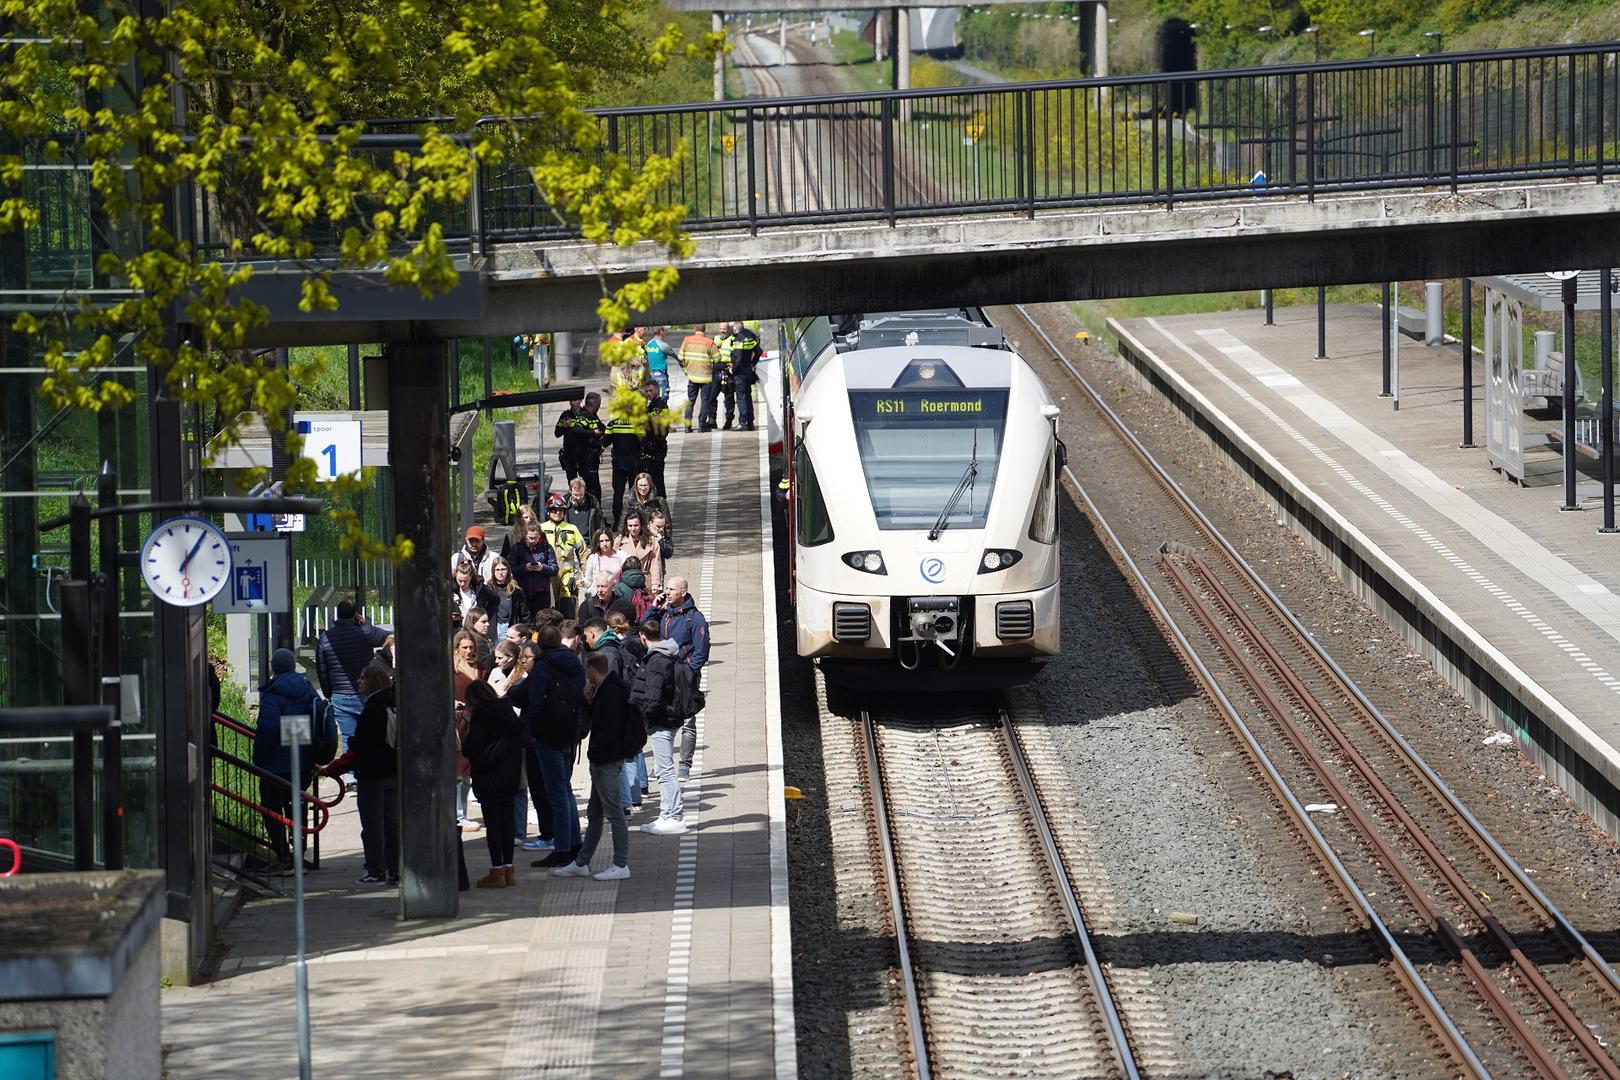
x: 923, y: 470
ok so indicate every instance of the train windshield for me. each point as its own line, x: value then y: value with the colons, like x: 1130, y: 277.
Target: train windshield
x: 915, y: 446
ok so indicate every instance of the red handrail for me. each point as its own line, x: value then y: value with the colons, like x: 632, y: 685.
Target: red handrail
x: 16, y: 856
x: 242, y: 729
x: 322, y: 815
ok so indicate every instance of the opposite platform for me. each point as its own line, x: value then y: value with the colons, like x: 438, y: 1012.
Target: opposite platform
x: 1511, y: 599
x: 682, y: 970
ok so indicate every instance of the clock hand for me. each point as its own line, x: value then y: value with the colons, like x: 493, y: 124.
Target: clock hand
x: 194, y: 549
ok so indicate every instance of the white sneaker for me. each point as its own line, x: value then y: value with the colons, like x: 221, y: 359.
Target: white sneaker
x: 573, y: 869
x: 613, y: 873
x: 665, y: 827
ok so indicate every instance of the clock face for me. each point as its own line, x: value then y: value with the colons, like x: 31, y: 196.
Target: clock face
x: 186, y: 561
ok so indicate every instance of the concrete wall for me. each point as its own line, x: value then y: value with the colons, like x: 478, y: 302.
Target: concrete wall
x: 102, y: 1038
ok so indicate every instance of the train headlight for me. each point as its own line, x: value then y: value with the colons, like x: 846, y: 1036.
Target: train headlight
x: 998, y: 559
x: 870, y: 562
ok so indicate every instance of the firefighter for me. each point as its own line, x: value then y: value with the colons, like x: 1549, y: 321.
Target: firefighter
x: 569, y: 544
x: 697, y: 358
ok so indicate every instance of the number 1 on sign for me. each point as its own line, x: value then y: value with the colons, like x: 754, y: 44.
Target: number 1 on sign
x: 330, y: 452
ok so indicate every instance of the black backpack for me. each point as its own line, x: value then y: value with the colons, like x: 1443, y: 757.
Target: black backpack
x: 323, y: 732
x: 563, y: 718
x: 686, y: 700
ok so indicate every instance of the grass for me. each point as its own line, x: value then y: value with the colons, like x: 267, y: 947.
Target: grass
x: 1094, y: 314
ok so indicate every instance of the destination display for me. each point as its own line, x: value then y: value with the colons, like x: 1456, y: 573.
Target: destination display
x: 870, y: 406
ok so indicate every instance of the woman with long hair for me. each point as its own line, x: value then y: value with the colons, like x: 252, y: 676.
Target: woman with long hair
x: 644, y: 497
x: 468, y: 591
x: 464, y: 660
x: 636, y: 539
x: 534, y: 564
x: 520, y: 527
x: 494, y: 746
x: 603, y: 559
x: 513, y: 604
x: 477, y: 623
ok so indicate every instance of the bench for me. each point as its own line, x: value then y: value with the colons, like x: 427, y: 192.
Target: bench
x: 1412, y: 322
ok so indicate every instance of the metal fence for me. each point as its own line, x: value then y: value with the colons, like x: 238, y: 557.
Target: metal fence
x: 1446, y: 120
x: 318, y: 585
x: 1299, y: 130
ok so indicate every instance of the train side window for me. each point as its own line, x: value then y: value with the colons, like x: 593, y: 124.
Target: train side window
x: 810, y: 509
x: 1043, y: 522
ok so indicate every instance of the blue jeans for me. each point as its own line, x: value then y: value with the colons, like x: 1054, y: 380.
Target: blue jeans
x: 634, y: 779
x: 555, y: 766
x: 346, y: 709
x: 670, y: 804
x: 662, y: 379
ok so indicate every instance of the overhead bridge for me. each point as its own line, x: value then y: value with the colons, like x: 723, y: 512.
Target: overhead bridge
x: 1386, y: 169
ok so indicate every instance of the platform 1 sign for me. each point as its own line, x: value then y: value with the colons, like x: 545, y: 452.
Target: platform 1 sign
x: 334, y: 446
x: 259, y: 582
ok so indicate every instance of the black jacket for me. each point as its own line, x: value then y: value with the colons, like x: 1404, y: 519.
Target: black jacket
x: 513, y: 608
x: 655, y: 685
x: 554, y: 665
x: 488, y: 599
x: 493, y: 724
x: 374, y: 759
x: 744, y: 354
x: 592, y: 608
x: 587, y: 518
x: 345, y: 648
x: 581, y: 435
x: 610, y: 715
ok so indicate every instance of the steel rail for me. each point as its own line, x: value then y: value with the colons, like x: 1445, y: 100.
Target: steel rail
x: 1475, y: 831
x: 1123, y: 1055
x: 897, y: 913
x: 1534, y: 1050
x: 1442, y: 867
x: 1439, y: 1020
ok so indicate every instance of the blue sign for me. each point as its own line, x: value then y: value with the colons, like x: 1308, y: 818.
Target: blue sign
x: 247, y: 585
x: 932, y: 569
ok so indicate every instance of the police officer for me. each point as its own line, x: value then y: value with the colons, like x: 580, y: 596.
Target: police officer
x: 697, y: 357
x: 655, y: 440
x: 744, y: 373
x: 581, y: 432
x: 724, y: 387
x: 625, y: 443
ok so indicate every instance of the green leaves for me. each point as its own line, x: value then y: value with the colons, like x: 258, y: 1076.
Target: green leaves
x: 253, y: 113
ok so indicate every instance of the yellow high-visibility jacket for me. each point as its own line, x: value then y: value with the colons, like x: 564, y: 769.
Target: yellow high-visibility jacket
x: 697, y: 356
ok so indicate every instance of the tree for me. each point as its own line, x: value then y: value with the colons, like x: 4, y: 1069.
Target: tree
x: 259, y: 108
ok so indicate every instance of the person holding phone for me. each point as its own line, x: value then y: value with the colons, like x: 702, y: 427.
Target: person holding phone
x: 534, y: 564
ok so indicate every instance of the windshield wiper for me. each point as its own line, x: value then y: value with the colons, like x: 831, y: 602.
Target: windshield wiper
x: 963, y: 486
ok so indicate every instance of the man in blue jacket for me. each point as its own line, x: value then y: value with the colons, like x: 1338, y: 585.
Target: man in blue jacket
x: 286, y: 694
x: 685, y: 625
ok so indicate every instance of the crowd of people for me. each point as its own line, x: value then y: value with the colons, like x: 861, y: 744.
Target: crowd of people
x: 570, y: 634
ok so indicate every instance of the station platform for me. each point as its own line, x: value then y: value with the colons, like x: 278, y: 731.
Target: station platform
x: 684, y: 969
x: 1513, y: 600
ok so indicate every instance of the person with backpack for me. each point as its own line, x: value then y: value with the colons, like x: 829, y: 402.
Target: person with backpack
x: 601, y: 600
x: 341, y: 654
x: 494, y: 747
x: 651, y: 694
x: 616, y: 731
x: 286, y: 694
x: 633, y: 588
x: 633, y: 653
x: 685, y: 624
x: 374, y: 758
x: 556, y: 719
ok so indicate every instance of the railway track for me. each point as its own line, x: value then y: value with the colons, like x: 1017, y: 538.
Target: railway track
x: 996, y: 963
x: 1526, y: 987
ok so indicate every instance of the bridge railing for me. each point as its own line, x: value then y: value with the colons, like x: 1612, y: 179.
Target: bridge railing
x: 1301, y: 130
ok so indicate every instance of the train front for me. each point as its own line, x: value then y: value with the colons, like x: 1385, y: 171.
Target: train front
x: 925, y: 515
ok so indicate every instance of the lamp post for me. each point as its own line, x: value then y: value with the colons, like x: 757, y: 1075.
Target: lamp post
x: 1371, y: 36
x: 1439, y: 39
x: 1316, y: 40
